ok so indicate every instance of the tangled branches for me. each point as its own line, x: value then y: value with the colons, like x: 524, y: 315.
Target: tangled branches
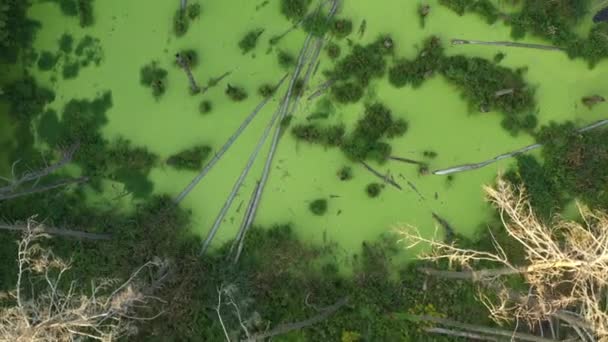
x: 565, y: 269
x: 55, y: 310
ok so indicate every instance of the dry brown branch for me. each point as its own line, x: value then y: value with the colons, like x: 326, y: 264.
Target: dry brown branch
x: 55, y: 231
x: 57, y: 313
x: 566, y: 264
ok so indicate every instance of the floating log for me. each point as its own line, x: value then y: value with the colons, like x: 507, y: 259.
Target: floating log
x: 385, y: 178
x: 509, y: 44
x: 469, y: 167
x: 227, y: 145
x: 447, y: 227
x: 406, y: 160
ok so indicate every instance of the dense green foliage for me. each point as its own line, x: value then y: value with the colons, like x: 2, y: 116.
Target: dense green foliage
x: 318, y: 207
x: 26, y: 98
x: 294, y: 9
x: 155, y: 77
x: 266, y: 90
x: 316, y: 24
x: 47, y: 61
x: 190, y: 56
x: 66, y: 43
x: 285, y: 59
x: 190, y: 159
x: 180, y: 23
x: 250, y: 40
x: 333, y: 50
x: 481, y: 82
x: 194, y: 11
x: 551, y: 20
x: 16, y: 30
x: 323, y: 135
x: 353, y: 73
x: 70, y: 70
x: 341, y: 28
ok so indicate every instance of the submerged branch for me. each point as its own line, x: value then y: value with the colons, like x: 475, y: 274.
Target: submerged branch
x: 406, y: 160
x: 469, y: 167
x: 510, y: 44
x: 285, y: 328
x: 385, y: 178
x: 186, y: 66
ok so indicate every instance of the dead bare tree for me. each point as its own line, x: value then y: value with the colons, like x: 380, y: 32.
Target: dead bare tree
x: 566, y: 267
x: 56, y: 313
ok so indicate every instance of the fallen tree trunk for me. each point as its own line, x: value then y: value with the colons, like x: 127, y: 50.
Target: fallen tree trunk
x: 186, y: 66
x: 483, y: 330
x: 57, y: 231
x: 285, y: 328
x: 239, y: 182
x: 509, y: 44
x: 406, y: 160
x: 381, y: 176
x: 43, y: 188
x: 218, y: 155
x: 238, y: 241
x: 469, y: 167
x: 465, y: 334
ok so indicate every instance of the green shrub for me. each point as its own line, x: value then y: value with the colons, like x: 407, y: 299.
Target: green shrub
x: 155, y: 77
x: 236, y: 94
x: 180, y: 23
x: 194, y: 11
x: 286, y: 60
x: 373, y: 190
x: 85, y: 11
x: 205, y: 107
x: 47, y: 61
x: 345, y: 173
x: 70, y: 70
x: 250, y: 40
x: 66, y: 43
x: 190, y: 159
x: 266, y: 90
x: 342, y: 27
x: 318, y: 207
x: 347, y: 92
x: 68, y: 7
x: 333, y: 50
x: 294, y: 9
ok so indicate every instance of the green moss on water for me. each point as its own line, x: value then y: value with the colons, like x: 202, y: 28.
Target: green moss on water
x: 250, y: 40
x: 190, y: 159
x: 318, y: 207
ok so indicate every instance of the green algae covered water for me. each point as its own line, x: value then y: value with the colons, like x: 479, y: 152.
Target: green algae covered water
x: 136, y: 32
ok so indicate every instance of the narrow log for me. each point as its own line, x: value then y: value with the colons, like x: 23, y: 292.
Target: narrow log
x: 224, y: 148
x: 321, y: 89
x: 483, y: 330
x: 509, y: 44
x: 381, y: 176
x: 469, y: 167
x: 57, y: 231
x: 237, y: 243
x: 465, y: 334
x: 43, y: 188
x: 447, y: 227
x: 289, y: 327
x: 406, y: 160
x: 214, y: 81
x: 182, y: 61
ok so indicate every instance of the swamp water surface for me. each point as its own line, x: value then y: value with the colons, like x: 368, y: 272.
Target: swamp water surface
x: 133, y: 33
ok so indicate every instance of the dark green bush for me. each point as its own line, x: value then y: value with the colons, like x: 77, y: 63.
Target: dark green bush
x: 318, y: 207
x: 333, y: 50
x: 155, y: 77
x: 294, y: 9
x: 250, y: 40
x: 68, y: 7
x: 47, y: 61
x: 70, y: 70
x: 66, y: 43
x: 415, y: 72
x: 373, y: 190
x: 236, y: 94
x: 347, y: 92
x: 345, y: 173
x: 190, y: 159
x: 85, y: 11
x: 180, y: 23
x: 266, y: 90
x: 342, y: 27
x: 205, y: 107
x: 285, y: 59
x: 194, y: 11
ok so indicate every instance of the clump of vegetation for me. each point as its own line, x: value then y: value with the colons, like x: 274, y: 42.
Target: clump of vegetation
x: 235, y: 93
x: 250, y: 40
x: 286, y: 60
x: 190, y: 56
x: 26, y: 98
x: 333, y: 50
x: 68, y: 7
x: 318, y: 207
x: 294, y: 10
x: 485, y: 85
x: 194, y: 11
x: 66, y: 43
x: 316, y: 24
x: 423, y: 13
x: 415, y: 72
x: 70, y: 70
x: 347, y: 92
x: 313, y: 133
x: 90, y: 50
x: 47, y: 61
x: 85, y: 11
x: 266, y: 90
x: 354, y: 71
x: 205, y: 107
x: 484, y: 8
x: 190, y: 159
x: 429, y: 154
x: 155, y: 77
x: 373, y: 190
x: 342, y: 28
x: 345, y: 173
x: 124, y: 156
x: 377, y: 123
x: 180, y: 23
x: 499, y: 57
